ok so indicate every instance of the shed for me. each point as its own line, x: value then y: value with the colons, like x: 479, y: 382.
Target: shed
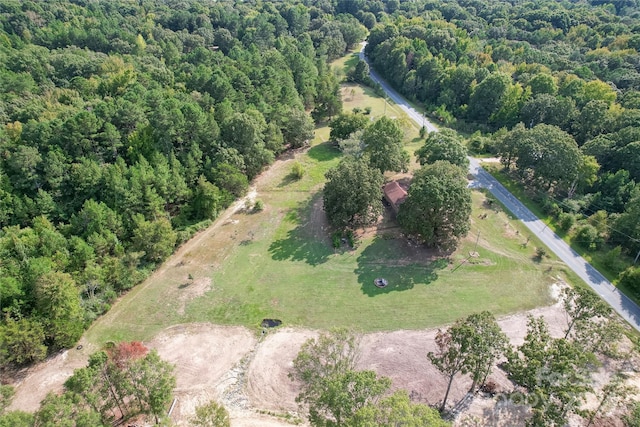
x: 394, y: 194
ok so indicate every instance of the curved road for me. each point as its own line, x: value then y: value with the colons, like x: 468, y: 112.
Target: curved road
x: 626, y: 308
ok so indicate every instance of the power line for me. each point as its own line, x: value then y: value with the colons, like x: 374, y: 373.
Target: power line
x: 560, y: 202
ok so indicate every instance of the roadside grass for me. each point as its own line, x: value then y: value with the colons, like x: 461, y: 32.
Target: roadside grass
x: 279, y: 263
x: 597, y: 258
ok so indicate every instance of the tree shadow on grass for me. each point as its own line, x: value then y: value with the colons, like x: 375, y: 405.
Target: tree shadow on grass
x: 384, y: 259
x: 288, y: 179
x: 324, y: 152
x: 307, y: 241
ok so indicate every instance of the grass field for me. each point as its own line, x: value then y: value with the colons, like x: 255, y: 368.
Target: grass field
x: 279, y: 263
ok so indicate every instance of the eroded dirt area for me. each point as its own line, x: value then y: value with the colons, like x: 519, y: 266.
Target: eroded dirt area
x: 247, y: 370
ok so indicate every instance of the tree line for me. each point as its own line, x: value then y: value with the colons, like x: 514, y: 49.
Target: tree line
x: 551, y: 88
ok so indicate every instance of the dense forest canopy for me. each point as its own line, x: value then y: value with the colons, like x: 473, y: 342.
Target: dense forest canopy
x: 556, y: 85
x: 127, y: 126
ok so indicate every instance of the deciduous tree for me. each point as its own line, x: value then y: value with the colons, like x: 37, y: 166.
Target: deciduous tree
x: 383, y: 145
x: 331, y: 387
x: 438, y: 205
x: 211, y: 414
x: 353, y: 194
x: 454, y: 345
x: 555, y: 372
x: 487, y: 345
x: 444, y: 145
x: 345, y: 124
x: 397, y: 410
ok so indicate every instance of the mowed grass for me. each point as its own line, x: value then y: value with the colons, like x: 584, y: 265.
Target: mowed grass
x: 280, y: 263
x: 291, y: 274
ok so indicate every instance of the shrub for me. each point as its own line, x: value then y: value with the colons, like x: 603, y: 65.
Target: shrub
x: 587, y: 236
x: 297, y: 170
x: 550, y: 207
x: 367, y: 110
x: 566, y: 221
x: 476, y: 145
x: 574, y: 205
x: 336, y: 239
x: 351, y: 238
x: 612, y: 259
x: 258, y: 206
x: 541, y: 252
x: 630, y: 278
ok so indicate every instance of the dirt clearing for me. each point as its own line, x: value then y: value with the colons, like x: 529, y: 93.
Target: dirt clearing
x: 248, y: 370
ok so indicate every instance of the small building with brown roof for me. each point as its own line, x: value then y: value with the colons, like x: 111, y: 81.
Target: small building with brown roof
x: 394, y: 194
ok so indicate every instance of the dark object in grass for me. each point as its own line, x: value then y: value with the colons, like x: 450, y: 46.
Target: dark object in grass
x: 270, y: 323
x: 380, y: 282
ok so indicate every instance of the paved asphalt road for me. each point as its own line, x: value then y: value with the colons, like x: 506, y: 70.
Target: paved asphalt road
x: 627, y: 309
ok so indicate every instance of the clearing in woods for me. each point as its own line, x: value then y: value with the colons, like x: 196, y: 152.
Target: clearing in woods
x: 279, y: 263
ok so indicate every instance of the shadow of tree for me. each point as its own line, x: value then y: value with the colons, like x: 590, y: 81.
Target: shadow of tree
x: 383, y: 259
x: 290, y: 178
x: 301, y: 243
x: 323, y: 152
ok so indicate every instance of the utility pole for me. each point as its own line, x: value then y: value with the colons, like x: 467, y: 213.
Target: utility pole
x: 636, y: 260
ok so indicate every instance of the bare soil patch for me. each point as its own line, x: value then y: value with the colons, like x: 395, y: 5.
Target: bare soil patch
x: 203, y: 355
x: 268, y: 384
x: 248, y: 371
x: 32, y: 384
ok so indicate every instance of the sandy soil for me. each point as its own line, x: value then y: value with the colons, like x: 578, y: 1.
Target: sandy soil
x: 268, y: 384
x: 203, y: 355
x: 32, y: 384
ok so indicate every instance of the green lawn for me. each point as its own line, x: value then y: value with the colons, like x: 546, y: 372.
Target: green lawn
x: 279, y: 263
x: 289, y: 274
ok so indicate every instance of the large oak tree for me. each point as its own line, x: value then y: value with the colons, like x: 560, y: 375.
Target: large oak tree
x: 438, y: 205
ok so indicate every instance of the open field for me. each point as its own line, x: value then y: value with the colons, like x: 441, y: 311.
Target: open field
x: 279, y: 263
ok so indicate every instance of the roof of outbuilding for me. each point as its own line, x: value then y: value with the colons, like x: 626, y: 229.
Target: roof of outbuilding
x: 394, y: 193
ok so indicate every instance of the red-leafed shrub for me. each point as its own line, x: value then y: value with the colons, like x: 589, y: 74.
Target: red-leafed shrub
x: 126, y: 352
